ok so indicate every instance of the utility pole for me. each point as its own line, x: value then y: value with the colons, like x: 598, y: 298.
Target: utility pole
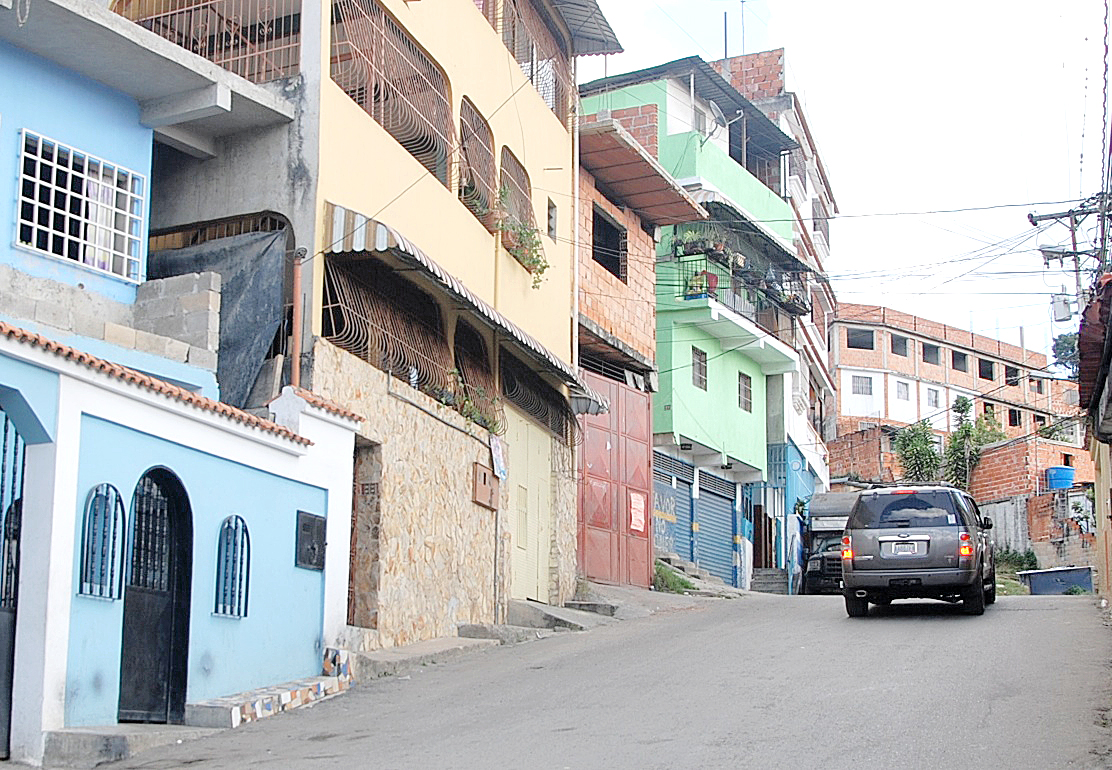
x: 1094, y: 205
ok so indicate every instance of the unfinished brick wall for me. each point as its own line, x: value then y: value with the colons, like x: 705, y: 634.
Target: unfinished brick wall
x: 642, y: 122
x: 864, y: 455
x: 1020, y: 468
x: 756, y: 75
x: 625, y: 310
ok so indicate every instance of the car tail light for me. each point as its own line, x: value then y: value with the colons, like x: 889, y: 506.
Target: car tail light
x: 847, y: 547
x: 965, y: 536
x: 965, y: 550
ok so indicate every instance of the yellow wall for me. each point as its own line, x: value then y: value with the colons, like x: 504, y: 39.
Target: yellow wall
x: 364, y: 169
x: 1102, y: 464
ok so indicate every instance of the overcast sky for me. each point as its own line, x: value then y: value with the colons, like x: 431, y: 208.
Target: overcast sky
x: 923, y: 107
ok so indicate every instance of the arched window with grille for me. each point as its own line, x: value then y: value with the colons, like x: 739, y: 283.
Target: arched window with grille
x: 233, y: 567
x: 102, y: 543
x: 477, y: 170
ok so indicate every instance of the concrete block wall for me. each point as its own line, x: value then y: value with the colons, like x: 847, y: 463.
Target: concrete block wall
x: 642, y: 122
x: 626, y: 310
x: 174, y: 318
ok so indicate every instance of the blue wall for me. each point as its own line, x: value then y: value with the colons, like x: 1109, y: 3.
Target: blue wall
x: 278, y: 641
x: 52, y: 102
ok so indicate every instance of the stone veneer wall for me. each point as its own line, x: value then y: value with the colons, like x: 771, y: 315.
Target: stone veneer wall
x: 177, y: 318
x: 562, y: 566
x: 436, y: 547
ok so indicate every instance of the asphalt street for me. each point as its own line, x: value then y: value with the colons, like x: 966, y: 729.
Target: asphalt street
x: 758, y: 681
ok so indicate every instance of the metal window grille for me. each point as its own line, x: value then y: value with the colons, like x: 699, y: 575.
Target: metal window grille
x: 670, y: 467
x: 516, y: 194
x: 233, y: 568
x: 380, y: 66
x: 102, y: 543
x: 477, y: 167
x: 150, y: 537
x: 12, y: 458
x: 525, y: 390
x: 717, y: 485
x: 387, y: 322
x: 489, y: 10
x: 79, y: 207
x: 541, y: 58
x: 475, y: 379
x: 259, y: 40
x: 862, y: 386
x: 745, y: 391
x: 609, y: 244
x: 698, y: 368
x: 602, y: 367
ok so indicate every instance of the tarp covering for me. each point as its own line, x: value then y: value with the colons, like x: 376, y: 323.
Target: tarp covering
x: 251, y: 268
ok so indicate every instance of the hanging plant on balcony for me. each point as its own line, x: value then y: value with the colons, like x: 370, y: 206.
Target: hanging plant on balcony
x: 521, y: 239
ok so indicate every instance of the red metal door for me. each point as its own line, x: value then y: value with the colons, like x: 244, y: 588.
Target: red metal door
x: 615, y: 467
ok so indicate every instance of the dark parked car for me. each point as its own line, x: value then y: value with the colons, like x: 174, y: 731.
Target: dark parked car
x: 922, y: 541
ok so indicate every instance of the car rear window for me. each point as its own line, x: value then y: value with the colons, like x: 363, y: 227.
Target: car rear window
x: 894, y: 511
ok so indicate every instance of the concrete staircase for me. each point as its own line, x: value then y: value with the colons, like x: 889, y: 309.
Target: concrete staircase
x: 768, y: 580
x: 690, y: 569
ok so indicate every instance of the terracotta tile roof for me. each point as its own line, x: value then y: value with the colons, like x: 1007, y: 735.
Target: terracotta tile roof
x: 150, y: 383
x: 329, y: 406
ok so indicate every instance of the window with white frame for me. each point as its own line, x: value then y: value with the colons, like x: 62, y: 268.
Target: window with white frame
x: 903, y: 391
x: 698, y: 368
x: 862, y: 386
x: 79, y: 207
x: 233, y: 567
x: 745, y: 391
x: 933, y: 400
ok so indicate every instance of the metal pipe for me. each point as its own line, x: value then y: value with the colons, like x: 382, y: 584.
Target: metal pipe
x: 295, y: 341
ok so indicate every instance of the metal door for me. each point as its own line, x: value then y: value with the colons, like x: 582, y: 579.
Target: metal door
x: 11, y: 507
x: 156, y: 602
x: 672, y: 512
x: 615, y: 535
x: 715, y: 539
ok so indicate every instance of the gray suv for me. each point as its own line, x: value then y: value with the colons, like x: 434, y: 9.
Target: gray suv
x: 917, y: 542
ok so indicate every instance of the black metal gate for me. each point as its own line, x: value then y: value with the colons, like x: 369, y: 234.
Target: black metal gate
x: 11, y: 507
x: 156, y: 602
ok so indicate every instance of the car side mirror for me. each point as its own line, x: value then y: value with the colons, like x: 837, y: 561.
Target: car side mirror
x: 988, y: 523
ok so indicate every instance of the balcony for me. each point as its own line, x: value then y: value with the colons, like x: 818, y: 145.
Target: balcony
x: 257, y: 40
x: 704, y: 166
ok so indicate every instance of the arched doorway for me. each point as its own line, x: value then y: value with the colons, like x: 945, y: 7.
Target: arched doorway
x: 155, y: 650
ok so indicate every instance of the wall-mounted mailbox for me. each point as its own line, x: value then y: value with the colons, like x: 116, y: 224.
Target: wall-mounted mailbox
x: 485, y: 487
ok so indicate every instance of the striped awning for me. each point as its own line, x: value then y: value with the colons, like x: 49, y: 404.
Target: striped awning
x: 349, y: 232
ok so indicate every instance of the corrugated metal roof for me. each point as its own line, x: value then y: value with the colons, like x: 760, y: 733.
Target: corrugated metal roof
x: 349, y: 231
x: 590, y: 31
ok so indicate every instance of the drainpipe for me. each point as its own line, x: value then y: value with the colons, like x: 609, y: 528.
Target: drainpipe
x: 575, y: 229
x: 295, y: 342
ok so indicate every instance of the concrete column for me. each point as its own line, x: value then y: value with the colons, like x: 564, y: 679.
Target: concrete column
x: 45, y: 585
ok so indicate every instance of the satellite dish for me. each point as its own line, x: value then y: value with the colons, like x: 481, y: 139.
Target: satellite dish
x: 718, y: 115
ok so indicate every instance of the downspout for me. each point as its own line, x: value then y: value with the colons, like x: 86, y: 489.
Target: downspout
x: 295, y: 341
x: 575, y: 229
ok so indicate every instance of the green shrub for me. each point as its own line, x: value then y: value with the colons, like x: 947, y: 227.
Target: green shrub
x: 1015, y: 560
x: 667, y: 579
x: 1075, y: 591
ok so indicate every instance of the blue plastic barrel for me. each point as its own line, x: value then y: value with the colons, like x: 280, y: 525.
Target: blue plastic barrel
x: 1059, y: 477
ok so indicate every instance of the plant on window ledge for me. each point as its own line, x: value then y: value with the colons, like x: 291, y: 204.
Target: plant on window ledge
x: 521, y: 239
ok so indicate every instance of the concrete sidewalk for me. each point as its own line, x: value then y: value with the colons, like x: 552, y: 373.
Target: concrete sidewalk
x: 88, y: 747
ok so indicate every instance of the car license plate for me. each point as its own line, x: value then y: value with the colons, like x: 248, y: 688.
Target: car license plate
x: 904, y: 548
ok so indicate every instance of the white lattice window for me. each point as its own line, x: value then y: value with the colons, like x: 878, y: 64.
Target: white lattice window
x: 79, y: 207
x: 903, y: 391
x: 862, y: 386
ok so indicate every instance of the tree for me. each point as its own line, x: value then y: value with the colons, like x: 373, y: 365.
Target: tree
x: 916, y: 451
x: 963, y: 448
x: 1066, y: 354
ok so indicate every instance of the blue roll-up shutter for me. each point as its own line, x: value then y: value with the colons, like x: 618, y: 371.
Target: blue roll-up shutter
x: 715, y: 539
x: 672, y: 480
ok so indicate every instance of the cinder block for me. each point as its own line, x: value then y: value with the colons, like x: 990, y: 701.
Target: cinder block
x: 54, y: 314
x: 150, y: 343
x: 205, y: 359
x: 176, y: 350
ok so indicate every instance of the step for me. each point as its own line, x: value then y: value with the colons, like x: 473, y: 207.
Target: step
x: 600, y: 608
x: 84, y: 747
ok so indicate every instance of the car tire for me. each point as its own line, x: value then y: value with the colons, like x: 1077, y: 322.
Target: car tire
x: 990, y: 594
x: 973, y: 601
x: 856, y: 607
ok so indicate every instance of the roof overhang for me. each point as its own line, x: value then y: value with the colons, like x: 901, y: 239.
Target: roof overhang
x: 736, y: 333
x: 350, y: 233
x: 1094, y: 347
x: 590, y: 31
x: 187, y: 100
x: 709, y: 85
x: 706, y: 457
x: 618, y: 162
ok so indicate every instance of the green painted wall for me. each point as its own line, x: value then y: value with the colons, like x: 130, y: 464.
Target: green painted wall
x: 711, y: 417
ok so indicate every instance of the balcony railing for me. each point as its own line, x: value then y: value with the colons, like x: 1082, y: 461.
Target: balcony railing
x: 259, y: 40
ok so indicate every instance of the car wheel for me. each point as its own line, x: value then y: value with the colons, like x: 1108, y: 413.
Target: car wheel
x: 990, y: 593
x: 856, y: 607
x: 973, y: 601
